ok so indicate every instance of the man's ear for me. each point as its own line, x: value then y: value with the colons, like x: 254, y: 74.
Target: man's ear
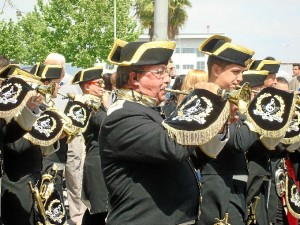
x: 86, y: 86
x: 216, y: 70
x: 133, y: 78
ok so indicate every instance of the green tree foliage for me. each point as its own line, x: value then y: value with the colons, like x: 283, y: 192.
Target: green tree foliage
x: 81, y: 30
x: 10, y: 40
x: 177, y: 16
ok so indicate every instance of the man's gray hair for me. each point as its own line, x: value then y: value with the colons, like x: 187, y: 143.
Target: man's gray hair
x: 55, y: 59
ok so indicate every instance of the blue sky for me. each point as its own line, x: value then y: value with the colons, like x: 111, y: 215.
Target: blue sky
x: 269, y: 27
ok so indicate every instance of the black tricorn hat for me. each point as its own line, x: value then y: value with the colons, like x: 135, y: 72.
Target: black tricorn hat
x: 87, y: 75
x: 47, y: 71
x: 255, y: 77
x: 270, y: 65
x: 271, y: 112
x: 8, y: 70
x: 220, y: 47
x: 198, y: 118
x: 141, y: 53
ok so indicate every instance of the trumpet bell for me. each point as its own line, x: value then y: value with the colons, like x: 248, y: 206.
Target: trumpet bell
x: 46, y: 90
x: 240, y: 97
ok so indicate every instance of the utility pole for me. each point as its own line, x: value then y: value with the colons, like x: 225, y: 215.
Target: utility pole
x: 160, y: 20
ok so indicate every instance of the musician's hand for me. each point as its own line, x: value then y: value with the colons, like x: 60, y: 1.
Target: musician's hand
x: 63, y: 135
x: 212, y: 87
x: 35, y: 101
x: 233, y: 110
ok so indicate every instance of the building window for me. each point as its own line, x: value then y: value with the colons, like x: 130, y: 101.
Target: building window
x: 200, y: 54
x: 187, y: 67
x: 200, y: 65
x: 188, y: 50
x: 109, y: 66
x: 177, y: 67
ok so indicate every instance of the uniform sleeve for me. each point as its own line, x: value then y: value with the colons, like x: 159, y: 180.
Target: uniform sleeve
x: 270, y: 143
x: 20, y: 145
x: 140, y: 138
x: 47, y: 150
x: 17, y: 127
x: 27, y: 118
x: 214, y: 146
x: 241, y: 137
x: 293, y: 147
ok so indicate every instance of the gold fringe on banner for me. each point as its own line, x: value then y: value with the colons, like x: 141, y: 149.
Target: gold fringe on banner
x: 273, y: 133
x: 295, y: 198
x: 36, y: 141
x: 199, y: 137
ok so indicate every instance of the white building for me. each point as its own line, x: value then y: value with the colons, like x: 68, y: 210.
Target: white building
x: 186, y: 56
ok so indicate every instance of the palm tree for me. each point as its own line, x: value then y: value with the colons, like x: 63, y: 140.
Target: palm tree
x: 177, y: 16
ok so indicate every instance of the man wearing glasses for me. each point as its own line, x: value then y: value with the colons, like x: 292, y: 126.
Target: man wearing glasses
x: 94, y: 192
x: 149, y: 176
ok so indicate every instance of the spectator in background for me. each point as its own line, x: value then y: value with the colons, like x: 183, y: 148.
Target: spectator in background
x: 171, y: 102
x: 193, y: 77
x: 294, y: 85
x: 107, y: 89
x: 284, y: 75
x: 113, y: 96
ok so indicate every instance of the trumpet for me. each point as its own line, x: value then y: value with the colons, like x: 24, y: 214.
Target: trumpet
x: 46, y: 90
x: 240, y: 97
x: 93, y: 105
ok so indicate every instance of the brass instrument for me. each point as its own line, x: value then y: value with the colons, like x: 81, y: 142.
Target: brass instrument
x: 39, y: 203
x: 240, y: 97
x: 46, y: 90
x: 223, y: 221
x: 252, y: 211
x: 70, y: 130
x: 279, y: 178
x: 183, y: 92
x: 93, y: 105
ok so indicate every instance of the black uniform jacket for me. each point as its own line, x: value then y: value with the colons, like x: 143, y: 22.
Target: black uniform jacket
x: 148, y: 175
x: 93, y: 185
x: 218, y: 187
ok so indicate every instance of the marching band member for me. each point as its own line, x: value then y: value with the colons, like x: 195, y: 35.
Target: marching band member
x: 224, y: 178
x: 262, y: 74
x: 258, y: 161
x: 23, y: 163
x: 284, y: 192
x: 94, y: 192
x: 149, y: 176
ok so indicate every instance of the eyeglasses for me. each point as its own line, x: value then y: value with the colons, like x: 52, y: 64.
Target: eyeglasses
x: 98, y: 83
x: 159, y: 74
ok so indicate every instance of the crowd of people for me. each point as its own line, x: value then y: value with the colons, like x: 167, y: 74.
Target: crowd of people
x: 144, y: 145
